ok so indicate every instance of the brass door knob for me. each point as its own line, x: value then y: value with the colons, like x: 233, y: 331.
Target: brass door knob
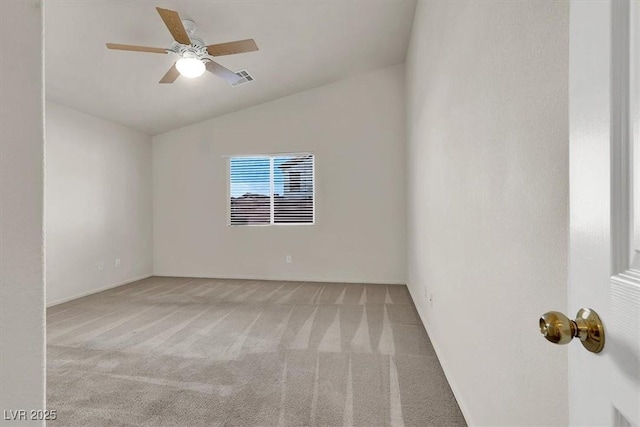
x: 559, y: 329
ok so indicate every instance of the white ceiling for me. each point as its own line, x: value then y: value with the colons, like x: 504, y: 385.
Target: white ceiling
x: 303, y: 44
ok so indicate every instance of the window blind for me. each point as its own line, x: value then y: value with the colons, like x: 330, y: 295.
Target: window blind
x: 269, y: 190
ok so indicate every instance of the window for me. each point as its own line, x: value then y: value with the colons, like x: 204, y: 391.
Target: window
x: 271, y: 190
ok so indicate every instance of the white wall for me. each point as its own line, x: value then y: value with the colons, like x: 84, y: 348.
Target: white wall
x: 487, y: 176
x: 98, y: 204
x: 355, y: 128
x: 21, y: 209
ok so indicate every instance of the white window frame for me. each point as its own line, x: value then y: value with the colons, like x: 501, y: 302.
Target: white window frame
x: 272, y: 185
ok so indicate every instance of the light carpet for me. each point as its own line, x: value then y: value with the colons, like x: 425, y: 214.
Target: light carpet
x: 168, y: 351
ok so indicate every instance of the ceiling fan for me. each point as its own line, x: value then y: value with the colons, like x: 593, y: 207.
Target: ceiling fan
x: 194, y: 55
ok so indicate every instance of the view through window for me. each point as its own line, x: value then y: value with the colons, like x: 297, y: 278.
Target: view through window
x: 268, y: 190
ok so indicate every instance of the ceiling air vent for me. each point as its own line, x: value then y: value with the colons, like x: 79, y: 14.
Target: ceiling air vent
x: 245, y: 78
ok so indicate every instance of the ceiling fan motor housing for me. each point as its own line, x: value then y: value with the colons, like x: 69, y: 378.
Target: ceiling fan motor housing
x: 197, y: 48
x: 190, y: 51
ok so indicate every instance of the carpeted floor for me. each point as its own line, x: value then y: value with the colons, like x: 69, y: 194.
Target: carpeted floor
x: 200, y: 352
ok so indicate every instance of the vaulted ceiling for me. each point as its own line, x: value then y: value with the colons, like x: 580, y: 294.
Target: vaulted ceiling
x: 303, y: 44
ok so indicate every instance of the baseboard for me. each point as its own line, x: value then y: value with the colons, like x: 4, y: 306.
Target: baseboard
x: 280, y: 279
x: 445, y: 368
x: 95, y: 291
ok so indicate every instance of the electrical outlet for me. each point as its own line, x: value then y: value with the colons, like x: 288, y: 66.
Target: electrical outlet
x: 100, y: 265
x: 117, y: 262
x: 288, y: 259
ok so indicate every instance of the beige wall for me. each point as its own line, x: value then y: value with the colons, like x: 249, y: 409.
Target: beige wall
x: 98, y: 204
x: 487, y: 177
x: 21, y: 209
x: 356, y: 130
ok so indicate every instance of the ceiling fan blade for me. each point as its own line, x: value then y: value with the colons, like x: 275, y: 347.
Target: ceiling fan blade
x: 222, y: 72
x: 171, y: 75
x: 240, y: 46
x: 174, y: 24
x: 134, y: 48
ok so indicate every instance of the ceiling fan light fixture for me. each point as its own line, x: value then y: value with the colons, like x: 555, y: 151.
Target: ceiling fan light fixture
x: 190, y: 67
x: 194, y: 57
